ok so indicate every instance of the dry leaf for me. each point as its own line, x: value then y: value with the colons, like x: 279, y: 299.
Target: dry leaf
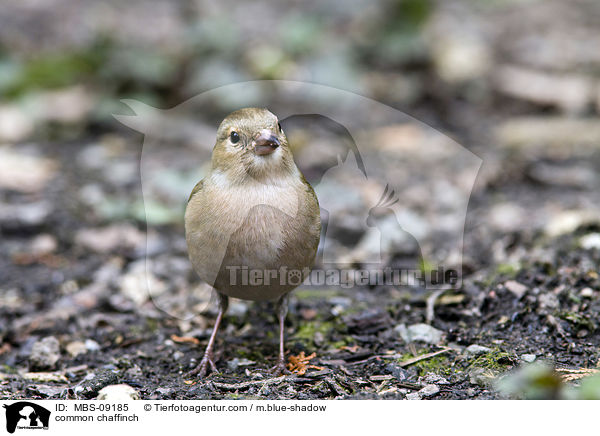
x: 299, y: 364
x: 185, y: 339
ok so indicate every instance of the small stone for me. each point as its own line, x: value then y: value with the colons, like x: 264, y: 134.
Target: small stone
x: 24, y: 214
x: 548, y: 301
x: 236, y: 362
x: 398, y: 372
x: 569, y: 92
x: 528, y: 358
x: 75, y: 348
x: 413, y: 396
x: 139, y: 284
x: 586, y: 293
x: 165, y: 392
x: 118, y: 393
x: 15, y: 124
x: 24, y: 172
x: 516, y: 288
x: 43, y: 244
x: 177, y: 355
x: 91, y: 345
x: 433, y: 378
x: 111, y: 238
x: 589, y: 241
x: 476, y: 350
x: 419, y: 332
x: 319, y: 339
x: 568, y: 221
x: 47, y: 391
x: 429, y: 391
x: 45, y: 353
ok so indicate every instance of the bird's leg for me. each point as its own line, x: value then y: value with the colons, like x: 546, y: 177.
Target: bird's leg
x: 282, y: 309
x: 202, y: 368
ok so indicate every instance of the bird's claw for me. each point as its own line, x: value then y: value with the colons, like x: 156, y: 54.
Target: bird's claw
x: 202, y: 369
x: 280, y: 369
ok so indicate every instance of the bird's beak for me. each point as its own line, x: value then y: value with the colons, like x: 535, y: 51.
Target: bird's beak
x: 266, y: 143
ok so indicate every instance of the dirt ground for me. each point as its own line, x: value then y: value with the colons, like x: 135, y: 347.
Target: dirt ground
x: 75, y: 232
x: 543, y: 309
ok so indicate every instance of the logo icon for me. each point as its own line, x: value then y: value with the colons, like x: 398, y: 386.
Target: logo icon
x: 26, y: 415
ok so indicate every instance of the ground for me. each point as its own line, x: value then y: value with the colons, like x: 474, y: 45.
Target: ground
x: 76, y: 228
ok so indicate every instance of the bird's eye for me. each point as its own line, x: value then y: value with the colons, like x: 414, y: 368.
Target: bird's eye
x: 279, y: 127
x: 234, y: 137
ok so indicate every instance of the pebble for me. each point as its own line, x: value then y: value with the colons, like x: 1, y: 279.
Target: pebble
x: 586, y: 293
x: 177, y: 355
x: 516, y: 288
x: 118, y: 393
x: 319, y: 339
x: 429, y: 391
x: 589, y: 241
x: 15, y: 123
x: 548, y: 301
x: 43, y: 244
x: 139, y: 284
x: 528, y: 358
x: 476, y: 350
x: 75, y: 348
x: 419, y: 332
x: 236, y: 362
x: 568, y: 221
x: 433, y: 378
x: 569, y: 92
x: 45, y: 353
x: 413, y: 396
x: 92, y: 345
x: 398, y: 372
x: 111, y: 238
x: 24, y: 172
x: 46, y: 391
x: 24, y: 215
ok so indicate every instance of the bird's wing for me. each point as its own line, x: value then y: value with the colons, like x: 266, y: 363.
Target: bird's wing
x: 196, y: 189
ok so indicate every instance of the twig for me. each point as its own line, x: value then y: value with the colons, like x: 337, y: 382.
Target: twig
x: 244, y: 385
x: 423, y: 357
x: 398, y: 356
x: 335, y: 387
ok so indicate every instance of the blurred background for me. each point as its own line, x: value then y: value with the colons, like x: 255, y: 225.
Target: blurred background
x: 516, y: 82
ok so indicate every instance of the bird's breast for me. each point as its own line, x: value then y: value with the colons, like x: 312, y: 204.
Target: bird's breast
x: 255, y: 227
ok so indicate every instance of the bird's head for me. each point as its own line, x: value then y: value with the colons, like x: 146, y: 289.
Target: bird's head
x: 251, y: 143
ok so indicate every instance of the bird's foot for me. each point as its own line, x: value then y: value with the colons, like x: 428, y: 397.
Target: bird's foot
x: 202, y: 369
x: 280, y: 369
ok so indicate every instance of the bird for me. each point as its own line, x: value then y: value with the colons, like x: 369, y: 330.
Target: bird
x: 252, y: 224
